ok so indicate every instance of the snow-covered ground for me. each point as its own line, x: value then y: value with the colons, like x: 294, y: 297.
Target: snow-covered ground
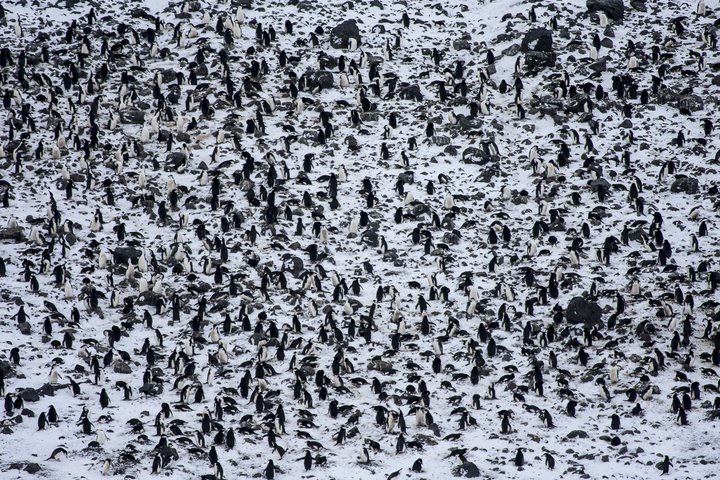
x: 429, y: 237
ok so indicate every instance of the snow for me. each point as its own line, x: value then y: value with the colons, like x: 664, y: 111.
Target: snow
x: 645, y: 439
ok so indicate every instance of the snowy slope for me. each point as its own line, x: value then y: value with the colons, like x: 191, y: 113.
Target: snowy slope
x: 474, y: 192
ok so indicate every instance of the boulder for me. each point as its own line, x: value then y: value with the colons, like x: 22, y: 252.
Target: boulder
x: 122, y: 367
x: 451, y: 150
x: 512, y: 50
x: 294, y: 265
x: 461, y: 44
x: 47, y: 390
x: 30, y: 395
x: 694, y: 103
x: 15, y: 234
x: 326, y: 62
x: 340, y: 35
x: 381, y: 366
x: 5, y: 369
x: 537, y: 40
x: 411, y: 92
x: 599, y: 66
x: 686, y: 185
x: 467, y: 470
x: 407, y: 177
x: 577, y: 103
x: 132, y: 115
x: 175, y: 160
x: 147, y: 299
x: 126, y: 254
x: 151, y: 389
x: 580, y: 310
x: 598, y: 183
x: 323, y: 78
x: 475, y: 155
x: 25, y: 328
x: 538, y: 60
x: 614, y: 9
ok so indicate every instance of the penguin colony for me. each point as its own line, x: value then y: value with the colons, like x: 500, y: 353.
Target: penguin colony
x: 239, y: 243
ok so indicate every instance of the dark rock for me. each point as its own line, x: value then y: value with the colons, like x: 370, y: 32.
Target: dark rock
x: 5, y: 369
x: 539, y: 60
x: 30, y: 395
x: 32, y: 468
x: 580, y: 310
x: 147, y: 298
x: 467, y: 470
x: 685, y: 184
x: 577, y: 434
x: 323, y: 78
x: 132, y: 115
x: 466, y: 122
x: 694, y: 103
x: 327, y: 62
x: 126, y: 254
x: 340, y: 35
x: 599, y: 183
x: 15, y: 233
x: 451, y: 238
x: 25, y: 328
x: 151, y: 389
x: 461, y: 44
x: 47, y: 390
x: 537, y: 40
x: 371, y: 238
x: 407, y: 177
x: 475, y: 155
x: 381, y: 366
x: 577, y: 103
x: 599, y: 66
x: 492, y: 171
x: 175, y: 159
x: 294, y: 265
x: 122, y: 367
x: 418, y: 209
x: 411, y: 92
x: 451, y: 150
x: 202, y: 287
x: 639, y: 5
x: 614, y: 9
x: 173, y: 94
x: 512, y: 50
x: 370, y: 116
x: 441, y: 140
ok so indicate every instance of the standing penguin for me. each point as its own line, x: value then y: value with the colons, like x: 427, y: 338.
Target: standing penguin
x: 665, y: 465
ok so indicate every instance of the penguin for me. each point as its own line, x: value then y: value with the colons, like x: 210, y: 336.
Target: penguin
x: 549, y: 461
x: 665, y: 465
